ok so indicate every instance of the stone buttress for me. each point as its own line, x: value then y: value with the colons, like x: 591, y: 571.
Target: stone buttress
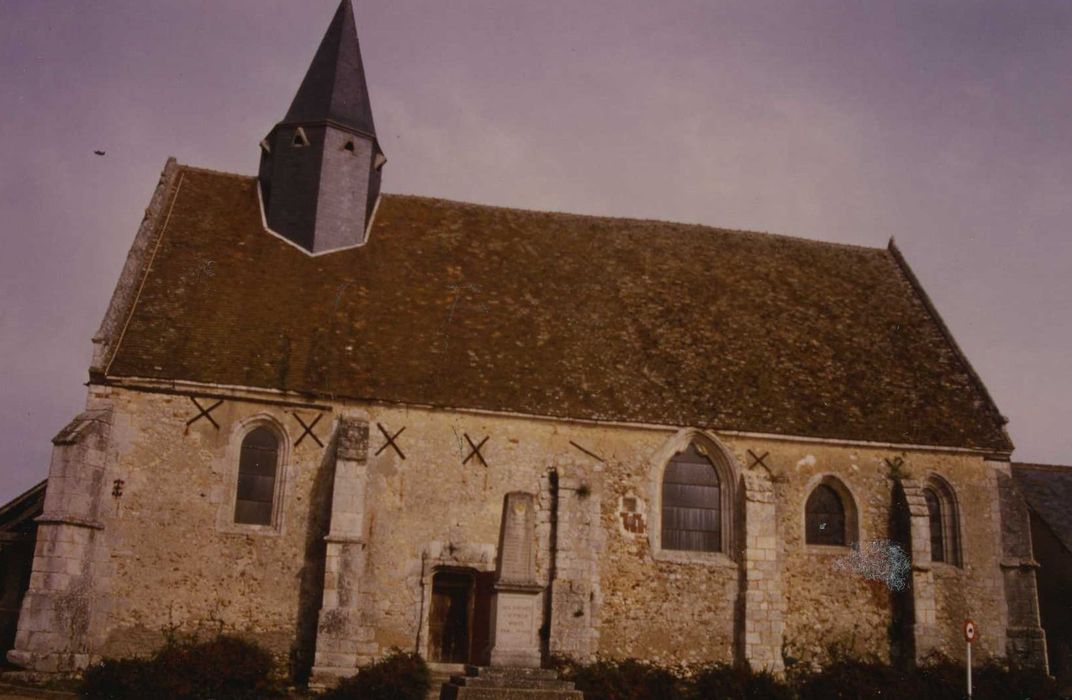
x: 343, y: 640
x: 60, y: 623
x: 924, y: 621
x: 1025, y: 641
x: 578, y: 536
x: 762, y: 591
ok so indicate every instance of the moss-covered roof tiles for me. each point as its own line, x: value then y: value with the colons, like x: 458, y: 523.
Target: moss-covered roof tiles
x: 472, y: 306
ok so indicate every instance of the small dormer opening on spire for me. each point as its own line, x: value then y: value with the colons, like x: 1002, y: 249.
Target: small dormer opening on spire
x: 320, y: 166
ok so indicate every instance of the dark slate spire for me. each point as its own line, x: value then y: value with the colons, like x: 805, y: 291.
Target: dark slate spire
x: 334, y: 88
x: 320, y: 166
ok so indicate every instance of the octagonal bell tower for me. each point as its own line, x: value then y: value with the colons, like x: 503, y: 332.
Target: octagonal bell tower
x: 320, y: 167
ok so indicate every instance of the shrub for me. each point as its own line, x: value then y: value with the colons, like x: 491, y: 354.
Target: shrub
x: 624, y: 680
x: 938, y: 679
x: 997, y: 682
x: 847, y: 679
x: 722, y: 682
x: 224, y: 668
x: 117, y: 679
x: 398, y: 676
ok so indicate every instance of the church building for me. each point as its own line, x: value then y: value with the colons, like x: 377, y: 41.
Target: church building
x: 338, y: 421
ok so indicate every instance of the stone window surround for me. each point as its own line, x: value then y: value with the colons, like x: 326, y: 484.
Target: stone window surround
x: 947, y: 497
x: 225, y: 515
x: 729, y: 476
x: 853, y: 528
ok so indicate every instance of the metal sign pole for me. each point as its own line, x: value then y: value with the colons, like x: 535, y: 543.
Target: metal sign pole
x: 969, y: 672
x: 969, y: 637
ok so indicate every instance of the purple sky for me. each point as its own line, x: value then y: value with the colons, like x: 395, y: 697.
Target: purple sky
x: 945, y: 124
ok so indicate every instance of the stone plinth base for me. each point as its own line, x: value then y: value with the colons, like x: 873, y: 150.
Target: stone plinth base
x: 325, y: 677
x: 515, y: 626
x: 509, y: 683
x: 1026, y: 647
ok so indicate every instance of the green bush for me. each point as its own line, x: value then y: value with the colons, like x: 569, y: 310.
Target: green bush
x: 940, y: 678
x: 937, y: 679
x: 224, y: 668
x: 722, y: 682
x: 624, y: 680
x: 398, y: 676
x: 850, y: 679
x: 117, y: 679
x: 998, y: 682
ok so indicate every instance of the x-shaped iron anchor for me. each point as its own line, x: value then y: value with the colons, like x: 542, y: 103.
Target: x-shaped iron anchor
x: 204, y: 413
x: 759, y: 459
x: 308, y: 429
x: 390, y: 440
x: 474, y: 450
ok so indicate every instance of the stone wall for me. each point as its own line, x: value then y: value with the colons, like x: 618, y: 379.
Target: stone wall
x: 175, y: 560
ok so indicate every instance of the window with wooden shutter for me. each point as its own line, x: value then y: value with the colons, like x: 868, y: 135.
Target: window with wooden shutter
x: 257, y: 468
x: 691, y: 503
x: 825, y: 517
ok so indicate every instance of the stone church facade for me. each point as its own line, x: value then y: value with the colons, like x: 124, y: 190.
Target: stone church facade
x: 309, y: 403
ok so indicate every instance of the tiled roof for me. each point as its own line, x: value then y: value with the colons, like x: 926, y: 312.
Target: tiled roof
x: 470, y: 306
x: 1048, y: 490
x: 17, y: 515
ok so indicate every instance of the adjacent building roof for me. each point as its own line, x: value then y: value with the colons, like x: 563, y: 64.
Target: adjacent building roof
x: 468, y: 306
x: 17, y: 515
x: 1048, y: 490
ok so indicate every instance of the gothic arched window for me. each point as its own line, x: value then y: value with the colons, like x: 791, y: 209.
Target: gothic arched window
x: 257, y: 467
x: 824, y: 519
x: 942, y: 516
x: 691, y: 503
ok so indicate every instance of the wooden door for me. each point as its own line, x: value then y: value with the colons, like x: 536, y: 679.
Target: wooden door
x: 450, y: 617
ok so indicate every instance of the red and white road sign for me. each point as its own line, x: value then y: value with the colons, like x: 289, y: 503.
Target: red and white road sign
x: 969, y: 631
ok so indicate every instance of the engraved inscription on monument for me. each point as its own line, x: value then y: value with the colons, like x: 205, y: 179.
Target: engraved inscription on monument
x: 516, y: 617
x: 519, y: 522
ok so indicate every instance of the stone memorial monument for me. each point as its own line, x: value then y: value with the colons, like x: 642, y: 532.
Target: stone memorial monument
x: 515, y: 618
x: 515, y: 621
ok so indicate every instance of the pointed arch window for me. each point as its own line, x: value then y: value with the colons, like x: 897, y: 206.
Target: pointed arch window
x: 692, y: 510
x: 825, y: 519
x: 257, y: 472
x: 300, y: 139
x: 830, y: 516
x: 943, y: 520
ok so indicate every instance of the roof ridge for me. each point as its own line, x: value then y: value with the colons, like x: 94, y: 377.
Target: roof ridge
x: 211, y: 171
x: 641, y: 220
x: 1034, y: 466
x: 578, y: 215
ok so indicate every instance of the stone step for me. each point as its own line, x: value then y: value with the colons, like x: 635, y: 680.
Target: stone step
x: 510, y: 671
x: 453, y: 692
x: 441, y: 674
x: 508, y: 683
